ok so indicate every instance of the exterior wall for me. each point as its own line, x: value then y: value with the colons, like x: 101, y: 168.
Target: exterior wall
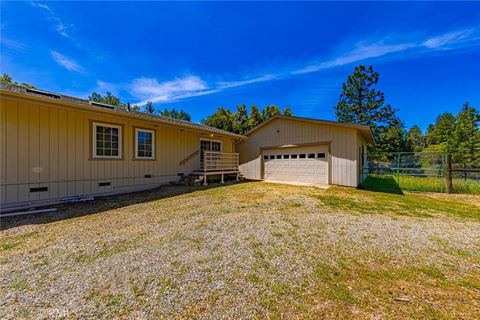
x: 343, y: 147
x: 362, y: 161
x: 49, y: 145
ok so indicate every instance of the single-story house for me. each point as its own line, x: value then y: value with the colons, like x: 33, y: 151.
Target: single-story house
x: 305, y: 150
x: 56, y: 147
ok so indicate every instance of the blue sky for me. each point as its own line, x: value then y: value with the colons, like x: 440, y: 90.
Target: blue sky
x: 199, y: 56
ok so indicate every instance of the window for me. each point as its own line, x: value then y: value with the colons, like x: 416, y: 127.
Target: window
x: 144, y: 144
x: 107, y: 141
x: 208, y: 145
x: 321, y: 155
x: 278, y: 156
x: 272, y: 157
x: 265, y: 157
x: 294, y: 156
x: 311, y: 155
x: 301, y: 156
x: 286, y: 156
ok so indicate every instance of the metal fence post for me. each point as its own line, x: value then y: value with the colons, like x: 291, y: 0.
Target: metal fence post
x: 398, y: 168
x: 442, y: 161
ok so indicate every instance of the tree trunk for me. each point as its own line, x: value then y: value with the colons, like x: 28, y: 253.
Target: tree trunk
x: 448, y: 174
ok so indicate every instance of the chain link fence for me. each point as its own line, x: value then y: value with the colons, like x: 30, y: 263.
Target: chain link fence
x: 420, y: 171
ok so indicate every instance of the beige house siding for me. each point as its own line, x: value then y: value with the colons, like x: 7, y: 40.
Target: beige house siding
x: 280, y: 132
x: 50, y: 145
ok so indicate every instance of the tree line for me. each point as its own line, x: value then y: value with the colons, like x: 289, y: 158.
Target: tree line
x: 360, y: 103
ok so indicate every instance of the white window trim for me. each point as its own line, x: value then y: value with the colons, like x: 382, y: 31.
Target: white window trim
x: 94, y: 144
x: 137, y: 130
x: 212, y: 140
x: 200, y: 146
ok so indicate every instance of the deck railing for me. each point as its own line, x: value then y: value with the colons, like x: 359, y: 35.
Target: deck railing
x: 219, y: 161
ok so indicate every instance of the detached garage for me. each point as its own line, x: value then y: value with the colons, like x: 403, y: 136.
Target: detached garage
x: 305, y: 150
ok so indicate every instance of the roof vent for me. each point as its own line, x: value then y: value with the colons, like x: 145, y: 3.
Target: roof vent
x: 103, y: 105
x: 43, y: 93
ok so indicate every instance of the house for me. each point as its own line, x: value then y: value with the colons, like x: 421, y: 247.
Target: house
x: 305, y: 150
x: 54, y: 147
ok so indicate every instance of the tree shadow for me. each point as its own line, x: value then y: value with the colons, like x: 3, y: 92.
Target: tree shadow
x: 386, y: 184
x: 104, y: 203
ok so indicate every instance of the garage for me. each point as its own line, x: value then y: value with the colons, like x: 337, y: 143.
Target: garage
x: 307, y: 164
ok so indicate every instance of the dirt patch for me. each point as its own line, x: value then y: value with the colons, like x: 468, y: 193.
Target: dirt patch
x: 251, y: 250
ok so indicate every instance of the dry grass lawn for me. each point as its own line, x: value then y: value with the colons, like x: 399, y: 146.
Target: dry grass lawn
x: 248, y: 250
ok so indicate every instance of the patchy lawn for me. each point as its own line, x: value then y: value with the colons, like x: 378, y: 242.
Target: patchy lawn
x: 249, y: 250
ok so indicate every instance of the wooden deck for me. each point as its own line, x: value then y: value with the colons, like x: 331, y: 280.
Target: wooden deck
x: 218, y: 163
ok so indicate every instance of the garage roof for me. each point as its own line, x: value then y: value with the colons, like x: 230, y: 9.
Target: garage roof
x: 365, y: 131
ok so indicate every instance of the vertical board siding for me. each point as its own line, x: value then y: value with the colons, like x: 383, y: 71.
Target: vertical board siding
x: 286, y: 132
x: 3, y: 149
x: 44, y: 145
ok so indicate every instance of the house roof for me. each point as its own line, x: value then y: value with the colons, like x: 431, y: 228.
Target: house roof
x: 365, y: 131
x: 64, y: 99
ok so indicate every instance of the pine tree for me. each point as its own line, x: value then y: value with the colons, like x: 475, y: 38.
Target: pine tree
x: 361, y: 103
x: 240, y: 120
x: 465, y: 141
x: 255, y: 117
x: 149, y: 107
x: 416, y: 139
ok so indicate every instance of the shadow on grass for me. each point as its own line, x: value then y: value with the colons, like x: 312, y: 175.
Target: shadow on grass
x: 104, y: 203
x: 385, y: 184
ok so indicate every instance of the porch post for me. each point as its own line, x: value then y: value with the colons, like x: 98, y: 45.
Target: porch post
x: 237, y: 178
x: 222, y: 181
x: 205, y: 180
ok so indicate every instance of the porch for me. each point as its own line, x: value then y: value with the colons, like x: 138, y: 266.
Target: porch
x: 217, y: 163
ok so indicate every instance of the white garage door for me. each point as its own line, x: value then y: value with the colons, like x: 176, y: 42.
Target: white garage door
x: 299, y: 164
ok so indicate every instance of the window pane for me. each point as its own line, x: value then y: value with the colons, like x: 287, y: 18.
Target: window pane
x: 272, y: 157
x: 286, y: 156
x: 302, y: 156
x: 265, y: 157
x: 144, y: 144
x: 321, y: 155
x: 294, y: 156
x: 311, y: 155
x: 278, y: 156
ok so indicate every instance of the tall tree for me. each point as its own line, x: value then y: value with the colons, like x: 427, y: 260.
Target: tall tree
x: 149, y: 107
x: 288, y: 112
x: 361, y: 103
x: 255, y: 117
x: 442, y: 130
x: 416, y: 139
x: 466, y: 135
x: 240, y: 120
x: 221, y: 119
x: 270, y: 111
x: 175, y: 114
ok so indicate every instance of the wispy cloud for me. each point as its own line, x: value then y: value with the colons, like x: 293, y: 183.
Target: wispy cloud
x: 58, y: 24
x: 149, y: 89
x: 66, y: 62
x: 232, y: 84
x: 448, y: 39
x: 364, y: 51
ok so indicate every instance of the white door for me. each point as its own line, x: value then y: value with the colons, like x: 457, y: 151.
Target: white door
x: 299, y: 164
